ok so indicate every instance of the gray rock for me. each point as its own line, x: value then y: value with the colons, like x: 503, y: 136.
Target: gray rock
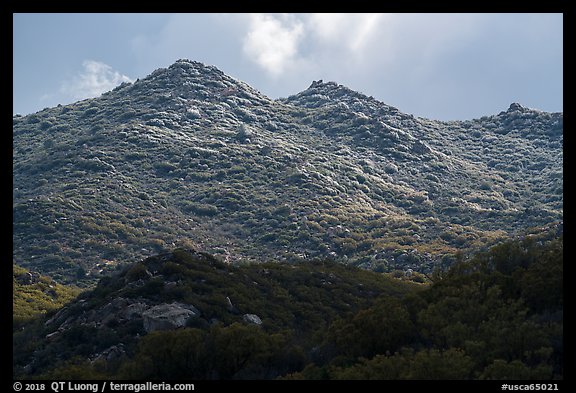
x: 110, y: 354
x: 231, y: 307
x: 252, y: 318
x: 168, y: 316
x: 52, y: 335
x: 133, y: 311
x: 58, y: 318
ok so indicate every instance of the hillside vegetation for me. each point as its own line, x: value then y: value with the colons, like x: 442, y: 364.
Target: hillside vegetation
x: 190, y: 157
x: 219, y: 234
x: 34, y: 295
x: 186, y: 315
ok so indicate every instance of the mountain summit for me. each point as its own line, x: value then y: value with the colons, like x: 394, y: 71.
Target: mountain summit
x: 191, y: 157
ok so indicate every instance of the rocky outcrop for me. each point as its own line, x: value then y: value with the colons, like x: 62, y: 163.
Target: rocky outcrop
x: 168, y: 316
x: 516, y: 107
x: 28, y: 278
x: 122, y: 311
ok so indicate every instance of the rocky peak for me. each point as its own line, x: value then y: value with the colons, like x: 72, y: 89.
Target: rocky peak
x: 196, y: 65
x: 193, y: 79
x: 516, y: 107
x: 321, y: 93
x: 530, y: 123
x: 344, y: 101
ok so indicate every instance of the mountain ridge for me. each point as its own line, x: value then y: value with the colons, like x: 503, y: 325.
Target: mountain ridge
x: 191, y: 156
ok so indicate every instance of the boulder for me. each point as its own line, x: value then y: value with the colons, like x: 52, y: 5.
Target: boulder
x: 252, y: 318
x: 168, y: 316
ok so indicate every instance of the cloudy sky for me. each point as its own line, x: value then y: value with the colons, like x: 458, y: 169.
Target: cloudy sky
x: 440, y: 66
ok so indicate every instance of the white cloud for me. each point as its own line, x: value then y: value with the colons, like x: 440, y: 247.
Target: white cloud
x: 272, y: 41
x: 327, y: 26
x: 350, y: 30
x: 283, y: 43
x: 94, y: 79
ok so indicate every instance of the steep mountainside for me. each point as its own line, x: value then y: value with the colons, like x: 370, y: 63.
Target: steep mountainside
x: 189, y: 156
